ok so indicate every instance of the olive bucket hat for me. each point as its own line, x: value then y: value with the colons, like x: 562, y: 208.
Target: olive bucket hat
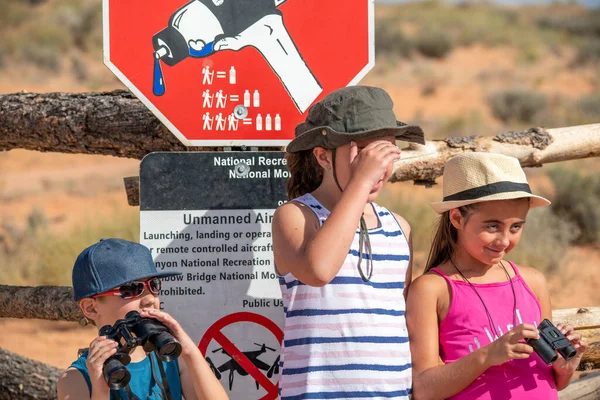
x: 351, y: 114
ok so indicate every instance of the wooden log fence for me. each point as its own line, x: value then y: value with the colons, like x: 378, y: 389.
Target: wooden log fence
x: 118, y: 124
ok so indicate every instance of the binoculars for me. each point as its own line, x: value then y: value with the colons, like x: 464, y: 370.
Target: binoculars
x: 550, y: 342
x: 129, y: 333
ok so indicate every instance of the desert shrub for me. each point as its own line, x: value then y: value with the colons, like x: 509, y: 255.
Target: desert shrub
x: 588, y: 52
x: 401, y: 199
x: 587, y: 24
x: 390, y: 41
x: 433, y: 44
x: 545, y: 240
x: 588, y: 108
x: 34, y: 255
x: 45, y: 35
x: 577, y: 200
x: 517, y: 105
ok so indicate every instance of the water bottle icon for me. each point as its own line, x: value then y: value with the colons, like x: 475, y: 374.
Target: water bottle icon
x: 268, y: 122
x: 256, y: 99
x: 277, y: 122
x: 232, y: 75
x: 258, y: 122
x: 247, y: 98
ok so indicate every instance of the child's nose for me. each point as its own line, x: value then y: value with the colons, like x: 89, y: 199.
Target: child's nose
x: 504, y: 240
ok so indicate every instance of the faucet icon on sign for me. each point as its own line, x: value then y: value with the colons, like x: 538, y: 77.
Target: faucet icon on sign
x: 202, y: 27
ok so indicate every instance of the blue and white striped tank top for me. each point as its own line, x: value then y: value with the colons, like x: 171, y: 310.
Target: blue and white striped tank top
x: 348, y: 339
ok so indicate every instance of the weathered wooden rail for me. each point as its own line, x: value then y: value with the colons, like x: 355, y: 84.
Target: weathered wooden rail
x: 116, y: 123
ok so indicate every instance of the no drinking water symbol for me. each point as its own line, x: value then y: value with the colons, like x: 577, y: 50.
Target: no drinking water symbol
x: 202, y: 27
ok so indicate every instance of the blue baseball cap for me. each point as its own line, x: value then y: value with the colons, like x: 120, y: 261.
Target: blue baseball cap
x: 111, y: 263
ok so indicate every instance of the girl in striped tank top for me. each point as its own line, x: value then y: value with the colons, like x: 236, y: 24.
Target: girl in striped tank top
x: 343, y: 261
x: 474, y: 310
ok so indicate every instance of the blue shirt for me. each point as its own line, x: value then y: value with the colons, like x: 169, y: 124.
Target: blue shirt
x: 142, y: 382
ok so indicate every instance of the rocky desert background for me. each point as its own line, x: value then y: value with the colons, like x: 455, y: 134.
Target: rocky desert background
x: 459, y: 69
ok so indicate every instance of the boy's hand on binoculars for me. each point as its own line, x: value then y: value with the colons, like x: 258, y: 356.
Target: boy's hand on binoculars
x: 510, y: 346
x: 562, y: 366
x: 176, y: 330
x: 100, y: 350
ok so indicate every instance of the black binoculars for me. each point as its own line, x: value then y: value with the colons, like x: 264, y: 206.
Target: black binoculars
x: 551, y: 341
x: 129, y: 333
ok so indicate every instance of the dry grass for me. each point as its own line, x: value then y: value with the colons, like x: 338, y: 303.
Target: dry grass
x: 36, y: 255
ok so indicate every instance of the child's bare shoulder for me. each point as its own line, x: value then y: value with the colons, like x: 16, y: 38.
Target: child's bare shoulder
x: 429, y: 284
x: 293, y: 213
x: 403, y: 223
x: 533, y: 277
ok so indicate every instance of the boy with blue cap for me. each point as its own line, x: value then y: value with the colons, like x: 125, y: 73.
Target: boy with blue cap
x: 110, y: 279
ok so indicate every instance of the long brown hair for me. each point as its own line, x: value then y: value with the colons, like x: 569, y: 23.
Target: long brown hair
x: 445, y: 239
x: 306, y: 173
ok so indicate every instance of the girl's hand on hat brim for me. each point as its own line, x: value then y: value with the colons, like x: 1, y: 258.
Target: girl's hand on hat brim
x: 171, y: 323
x: 371, y: 163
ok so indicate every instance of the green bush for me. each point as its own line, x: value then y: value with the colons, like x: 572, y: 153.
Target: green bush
x: 545, y: 240
x: 433, y: 44
x: 587, y: 24
x: 390, y: 41
x: 34, y: 255
x: 517, y: 105
x: 589, y: 52
x: 588, y: 108
x: 45, y: 35
x: 417, y: 212
x: 577, y: 200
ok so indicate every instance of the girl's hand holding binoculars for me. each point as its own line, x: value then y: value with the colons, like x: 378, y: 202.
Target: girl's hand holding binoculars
x: 562, y: 366
x: 511, y: 346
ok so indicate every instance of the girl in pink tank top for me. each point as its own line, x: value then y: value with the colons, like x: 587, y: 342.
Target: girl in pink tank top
x: 471, y: 308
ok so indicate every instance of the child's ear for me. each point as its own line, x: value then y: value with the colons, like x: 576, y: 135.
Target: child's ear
x: 323, y: 157
x: 89, y: 308
x: 456, y: 218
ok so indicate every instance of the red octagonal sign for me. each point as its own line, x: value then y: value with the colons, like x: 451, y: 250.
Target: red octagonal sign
x: 236, y: 72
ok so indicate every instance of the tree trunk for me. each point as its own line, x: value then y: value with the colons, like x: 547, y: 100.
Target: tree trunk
x: 22, y: 378
x: 116, y: 123
x: 111, y: 123
x: 56, y: 303
x: 44, y: 302
x: 586, y: 388
x: 537, y: 146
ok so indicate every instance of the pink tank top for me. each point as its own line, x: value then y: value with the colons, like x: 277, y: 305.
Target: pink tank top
x: 467, y: 327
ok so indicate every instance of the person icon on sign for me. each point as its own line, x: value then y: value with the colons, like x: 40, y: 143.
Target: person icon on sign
x: 221, y: 99
x: 208, y: 121
x: 233, y: 122
x: 208, y: 99
x: 207, y: 75
x: 220, y: 122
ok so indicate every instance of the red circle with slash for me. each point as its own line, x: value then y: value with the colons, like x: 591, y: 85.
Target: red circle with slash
x: 214, y: 332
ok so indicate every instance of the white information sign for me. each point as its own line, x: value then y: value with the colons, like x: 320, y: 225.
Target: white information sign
x: 208, y: 216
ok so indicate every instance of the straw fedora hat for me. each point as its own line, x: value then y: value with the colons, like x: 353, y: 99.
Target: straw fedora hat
x: 475, y: 177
